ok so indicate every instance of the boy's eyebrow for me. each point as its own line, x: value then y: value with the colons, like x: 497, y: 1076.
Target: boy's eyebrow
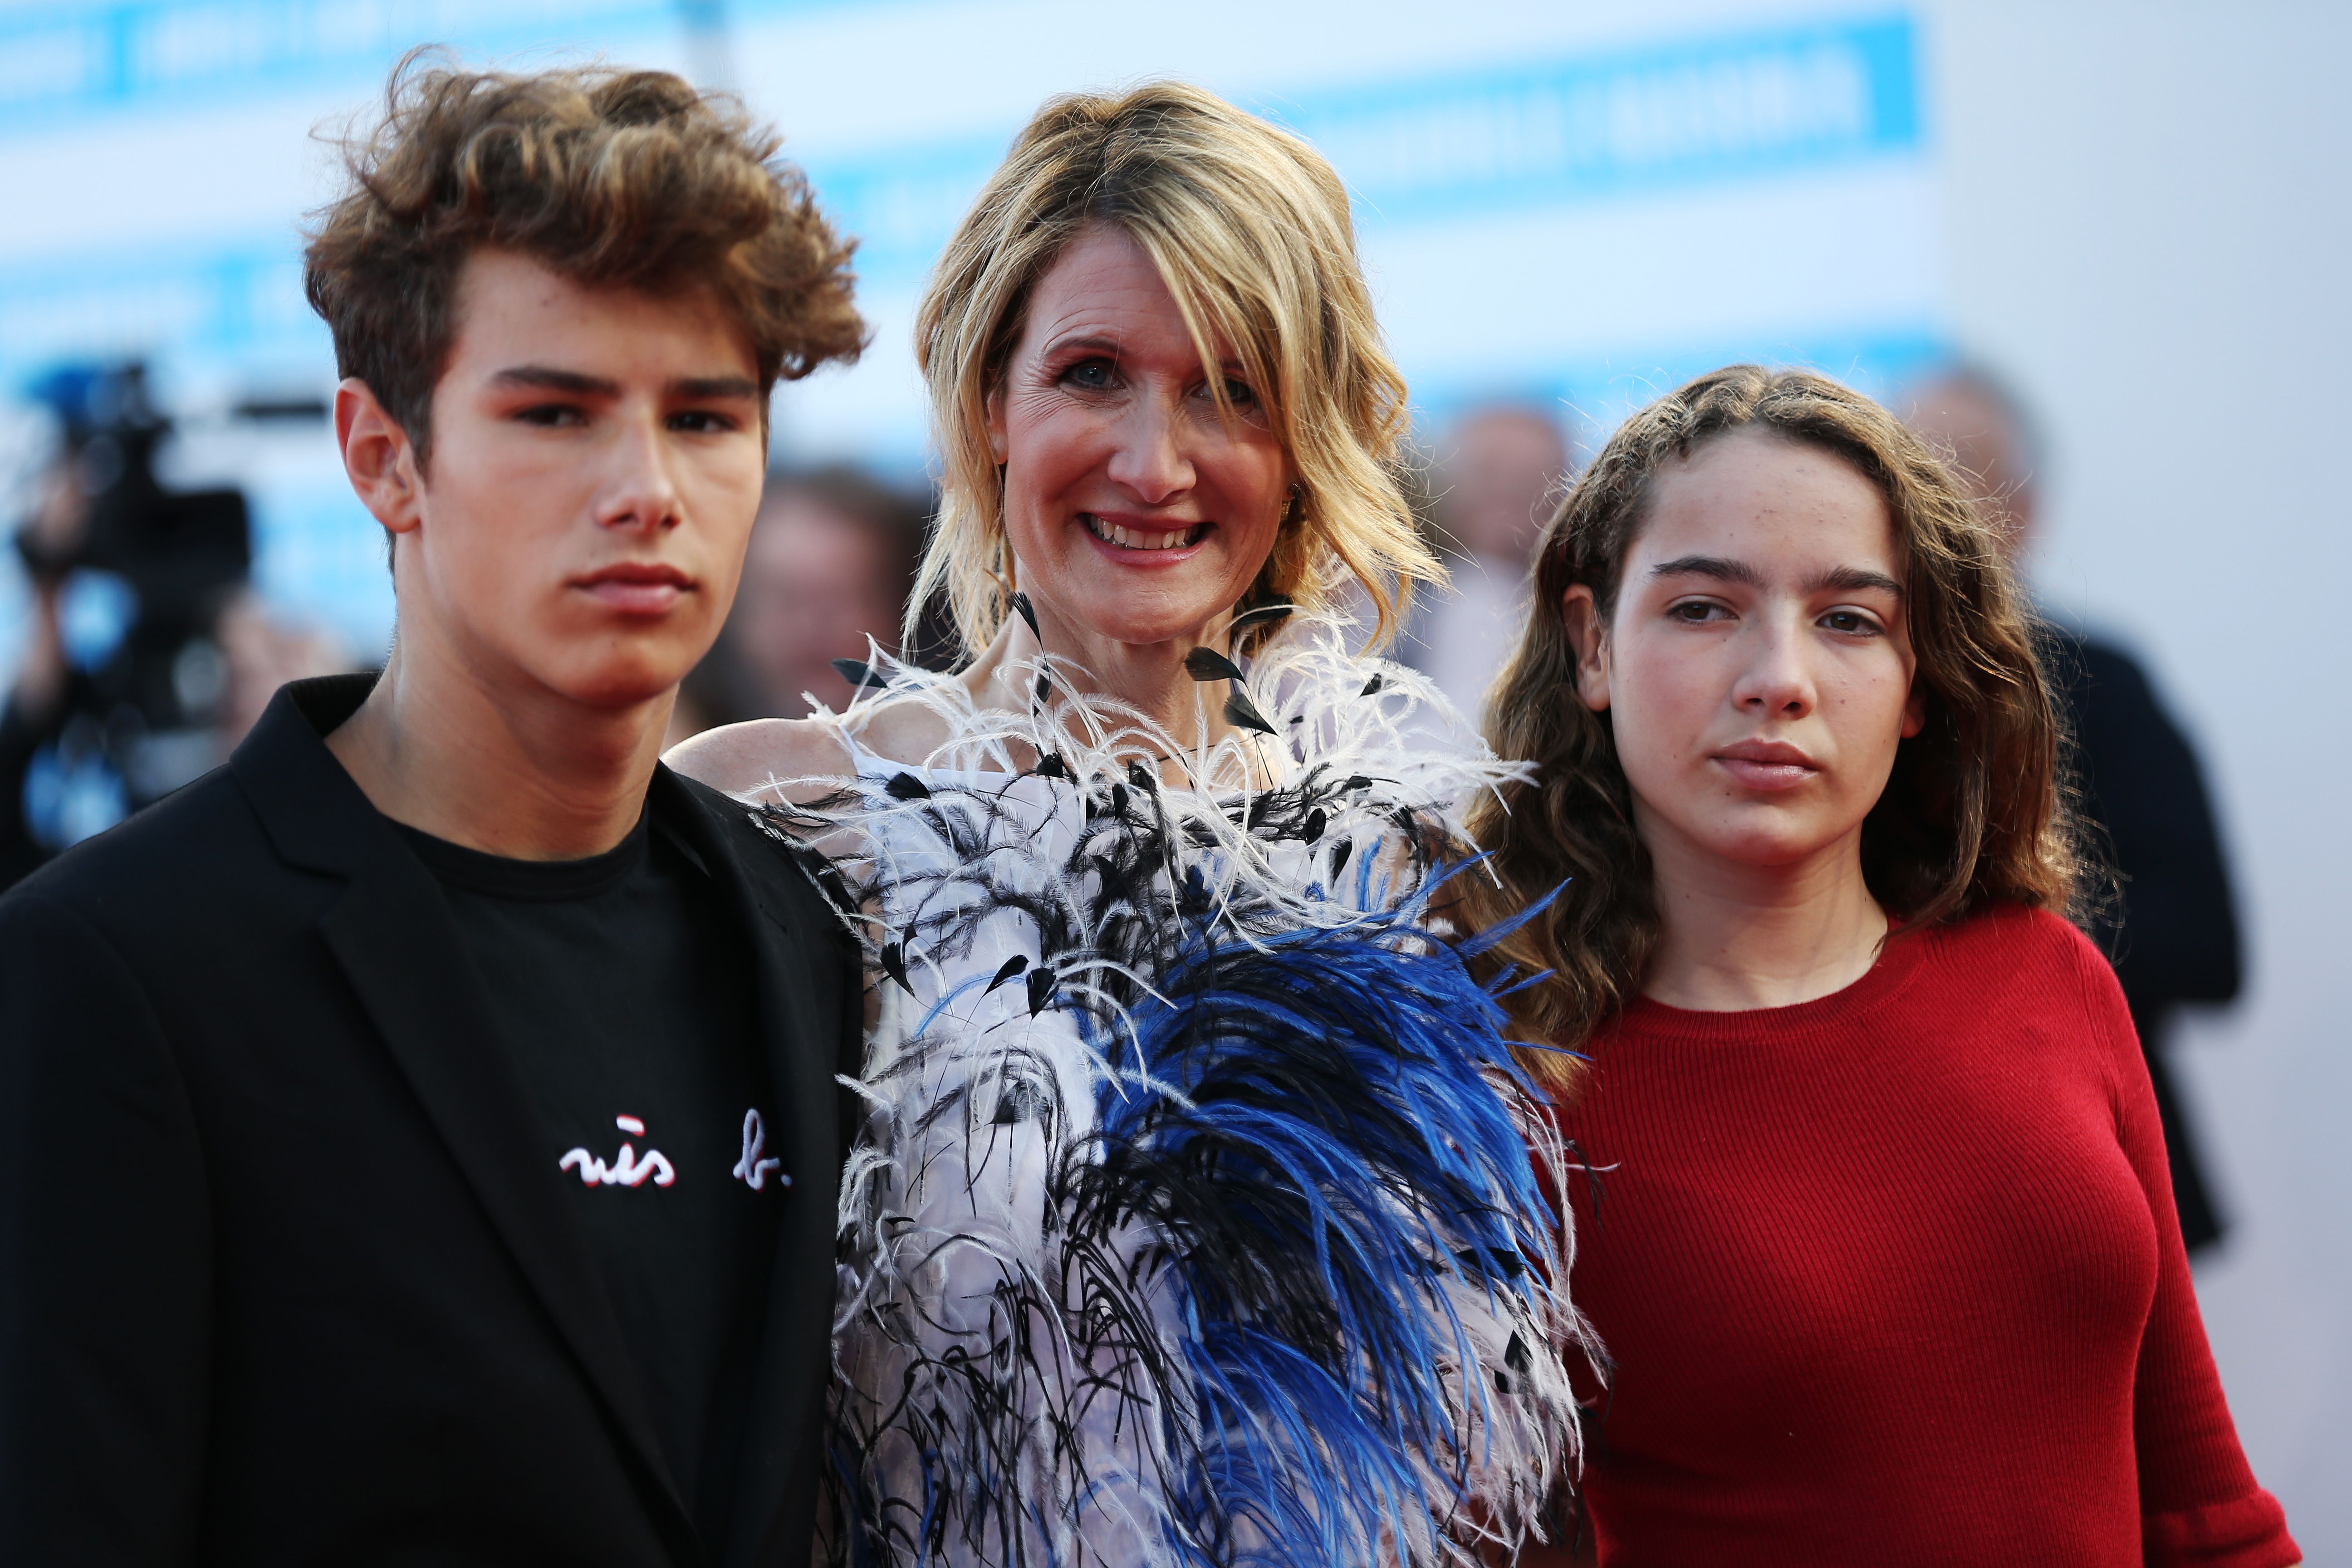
x: 712, y: 388
x: 692, y: 388
x: 548, y: 378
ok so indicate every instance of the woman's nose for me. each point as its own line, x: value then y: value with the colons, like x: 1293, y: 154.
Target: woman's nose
x: 1150, y: 462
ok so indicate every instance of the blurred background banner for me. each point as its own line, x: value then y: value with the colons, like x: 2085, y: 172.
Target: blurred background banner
x: 160, y: 155
x: 2133, y: 217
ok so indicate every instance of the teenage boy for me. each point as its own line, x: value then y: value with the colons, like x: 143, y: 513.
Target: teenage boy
x: 419, y: 1138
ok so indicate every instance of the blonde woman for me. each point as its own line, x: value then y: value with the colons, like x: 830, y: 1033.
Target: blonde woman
x: 1191, y: 1223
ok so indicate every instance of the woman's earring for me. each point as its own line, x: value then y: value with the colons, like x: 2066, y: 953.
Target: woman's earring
x: 1289, y: 507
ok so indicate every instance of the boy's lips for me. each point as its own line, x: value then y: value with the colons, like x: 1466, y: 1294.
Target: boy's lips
x: 636, y: 587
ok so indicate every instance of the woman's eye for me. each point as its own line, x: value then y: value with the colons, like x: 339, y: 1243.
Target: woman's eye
x: 1239, y: 394
x: 1089, y: 375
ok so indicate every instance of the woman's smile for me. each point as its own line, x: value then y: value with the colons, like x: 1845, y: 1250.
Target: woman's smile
x: 1167, y: 540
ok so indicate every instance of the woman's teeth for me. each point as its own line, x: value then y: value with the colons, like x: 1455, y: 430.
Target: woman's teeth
x: 1142, y: 537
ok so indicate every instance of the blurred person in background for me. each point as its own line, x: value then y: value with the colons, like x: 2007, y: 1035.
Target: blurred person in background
x: 317, y: 1245
x: 1499, y: 469
x: 2171, y: 928
x: 831, y: 562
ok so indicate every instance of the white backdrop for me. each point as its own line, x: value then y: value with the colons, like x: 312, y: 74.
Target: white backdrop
x: 2138, y: 212
x: 2147, y: 210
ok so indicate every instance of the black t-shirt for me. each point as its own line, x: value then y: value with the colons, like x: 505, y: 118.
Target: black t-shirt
x: 622, y: 990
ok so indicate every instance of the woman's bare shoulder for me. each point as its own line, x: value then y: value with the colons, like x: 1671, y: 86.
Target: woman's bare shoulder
x: 759, y: 760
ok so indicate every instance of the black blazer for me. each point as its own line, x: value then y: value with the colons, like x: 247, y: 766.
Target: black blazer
x: 283, y: 1276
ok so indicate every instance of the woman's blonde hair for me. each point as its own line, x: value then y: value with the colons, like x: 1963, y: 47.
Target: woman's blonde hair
x: 1975, y: 814
x: 1249, y: 229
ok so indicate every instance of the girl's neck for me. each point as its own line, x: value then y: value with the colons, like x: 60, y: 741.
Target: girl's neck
x: 1735, y: 936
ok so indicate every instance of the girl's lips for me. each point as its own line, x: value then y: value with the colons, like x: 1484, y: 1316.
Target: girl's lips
x: 1763, y: 775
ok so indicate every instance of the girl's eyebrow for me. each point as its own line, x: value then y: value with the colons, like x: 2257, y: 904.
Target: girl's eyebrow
x: 1722, y: 569
x: 1855, y: 580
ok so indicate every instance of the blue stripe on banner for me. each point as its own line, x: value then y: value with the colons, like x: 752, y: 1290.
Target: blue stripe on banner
x: 1658, y: 119
x: 139, y: 53
x: 1670, y: 115
x: 1598, y: 394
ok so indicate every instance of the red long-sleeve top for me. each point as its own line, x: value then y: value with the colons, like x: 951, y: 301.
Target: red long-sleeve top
x: 1893, y: 1277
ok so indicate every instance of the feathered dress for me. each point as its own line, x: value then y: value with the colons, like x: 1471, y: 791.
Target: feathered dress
x: 1201, y: 1216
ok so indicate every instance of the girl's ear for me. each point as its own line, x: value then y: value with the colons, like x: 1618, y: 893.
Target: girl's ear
x: 1590, y: 638
x: 1915, y: 711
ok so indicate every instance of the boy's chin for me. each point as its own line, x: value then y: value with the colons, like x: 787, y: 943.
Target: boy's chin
x: 618, y: 685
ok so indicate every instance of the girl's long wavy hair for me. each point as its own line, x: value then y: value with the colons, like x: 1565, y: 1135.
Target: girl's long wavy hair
x: 1975, y: 813
x: 1250, y: 228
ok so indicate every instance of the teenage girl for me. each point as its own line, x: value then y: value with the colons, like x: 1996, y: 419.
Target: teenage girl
x: 1869, y: 1185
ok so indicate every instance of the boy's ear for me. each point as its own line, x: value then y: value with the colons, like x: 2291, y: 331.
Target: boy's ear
x: 1589, y: 640
x: 378, y: 456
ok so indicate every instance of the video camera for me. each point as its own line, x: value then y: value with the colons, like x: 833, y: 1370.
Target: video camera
x: 141, y: 573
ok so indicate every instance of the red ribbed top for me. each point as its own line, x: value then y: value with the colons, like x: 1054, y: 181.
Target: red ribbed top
x: 1892, y: 1277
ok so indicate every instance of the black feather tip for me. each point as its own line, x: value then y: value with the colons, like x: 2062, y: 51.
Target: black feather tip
x: 860, y: 675
x: 1027, y: 612
x: 1241, y: 711
x: 1013, y: 966
x: 907, y: 786
x: 1208, y: 664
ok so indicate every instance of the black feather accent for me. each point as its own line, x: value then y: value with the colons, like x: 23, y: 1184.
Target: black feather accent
x: 1312, y: 828
x: 1012, y: 967
x: 1027, y: 612
x: 894, y: 965
x: 1051, y: 766
x: 860, y: 675
x: 1044, y: 687
x: 907, y: 786
x: 1241, y: 711
x: 1340, y: 857
x: 1374, y: 684
x: 1041, y: 989
x: 1208, y: 664
x: 1274, y: 609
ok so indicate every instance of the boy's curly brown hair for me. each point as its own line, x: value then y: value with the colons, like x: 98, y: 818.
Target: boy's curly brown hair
x: 627, y: 179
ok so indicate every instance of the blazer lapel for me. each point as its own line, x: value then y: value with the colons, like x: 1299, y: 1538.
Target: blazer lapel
x: 794, y: 1366
x: 392, y: 935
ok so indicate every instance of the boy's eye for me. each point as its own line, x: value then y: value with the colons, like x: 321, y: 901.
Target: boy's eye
x: 1850, y: 621
x: 551, y: 415
x: 701, y: 422
x: 1693, y: 612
